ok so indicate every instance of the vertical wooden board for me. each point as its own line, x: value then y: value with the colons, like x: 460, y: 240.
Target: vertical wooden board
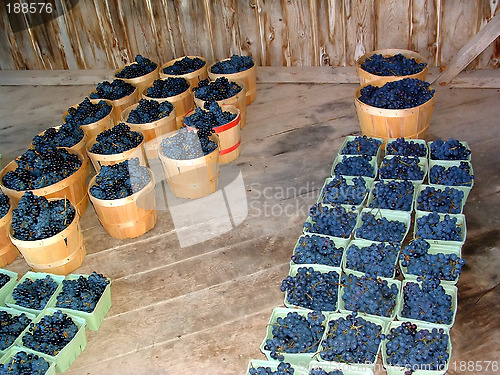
x: 360, y: 28
x: 392, y: 26
x: 7, y: 60
x: 329, y: 28
x: 423, y: 29
x: 457, y: 27
x: 248, y: 30
x: 222, y: 19
x: 490, y: 57
x: 171, y: 42
x: 273, y: 33
x: 300, y: 37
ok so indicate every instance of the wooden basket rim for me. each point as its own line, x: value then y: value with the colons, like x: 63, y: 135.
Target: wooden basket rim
x: 189, y: 162
x: 219, y: 129
x: 171, y: 62
x: 180, y: 96
x: 237, y: 74
x: 118, y: 102
x: 146, y: 125
x: 112, y: 157
x: 93, y: 101
x: 243, y: 91
x: 390, y: 52
x: 136, y: 79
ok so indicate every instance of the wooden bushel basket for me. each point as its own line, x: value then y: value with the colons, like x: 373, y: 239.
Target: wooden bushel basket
x: 121, y: 104
x: 127, y: 217
x: 238, y: 100
x: 73, y: 187
x: 79, y: 148
x: 183, y: 103
x: 366, y: 77
x: 140, y: 82
x: 248, y: 77
x: 393, y: 123
x: 8, y: 252
x: 60, y: 254
x: 194, y: 77
x: 229, y: 136
x: 194, y: 178
x: 152, y: 131
x: 99, y: 160
x: 91, y: 130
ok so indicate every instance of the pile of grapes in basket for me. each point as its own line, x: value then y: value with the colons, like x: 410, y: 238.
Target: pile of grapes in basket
x: 374, y: 273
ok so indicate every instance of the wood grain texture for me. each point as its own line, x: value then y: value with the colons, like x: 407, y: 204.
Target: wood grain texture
x: 100, y: 34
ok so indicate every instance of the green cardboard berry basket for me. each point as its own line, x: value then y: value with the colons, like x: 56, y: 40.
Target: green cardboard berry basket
x: 407, y: 140
x: 338, y: 159
x: 361, y: 244
x: 9, y: 285
x: 297, y: 359
x: 350, y: 182
x: 339, y: 243
x: 460, y: 222
x: 451, y: 290
x: 463, y: 144
x: 351, y: 138
x: 390, y: 318
x: 347, y: 369
x: 335, y: 316
x: 72, y: 350
x: 434, y: 249
x: 421, y: 188
x: 93, y: 319
x: 396, y: 370
x: 422, y: 162
x: 13, y: 312
x: 316, y: 267
x: 10, y: 302
x: 371, y: 196
x: 15, y: 349
x: 273, y: 365
x: 390, y: 215
x: 347, y: 208
x: 448, y: 164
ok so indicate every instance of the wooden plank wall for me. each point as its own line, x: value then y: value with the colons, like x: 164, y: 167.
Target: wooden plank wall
x: 109, y: 33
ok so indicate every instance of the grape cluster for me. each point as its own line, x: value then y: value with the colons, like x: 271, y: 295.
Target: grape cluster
x: 355, y: 166
x: 381, y: 229
x: 184, y: 66
x: 116, y: 140
x: 187, y: 144
x: 427, y: 301
x: 165, y: 88
x: 296, y: 334
x: 333, y: 221
x: 338, y: 191
x: 433, y: 228
x: 320, y: 371
x: 405, y: 93
x: 148, y: 111
x: 378, y: 258
x: 401, y: 168
x: 312, y: 249
x: 34, y: 294
x: 351, y: 340
x: 210, y: 117
x: 68, y: 135
x: 446, y: 201
x: 112, y: 90
x: 40, y: 167
x: 23, y: 363
x: 362, y: 146
x: 451, y: 176
x: 234, y: 64
x: 51, y: 334
x: 4, y: 205
x: 312, y: 289
x: 36, y: 218
x: 395, y: 65
x: 11, y: 327
x: 83, y: 293
x: 449, y: 150
x: 120, y: 180
x: 393, y: 195
x: 420, y: 262
x: 4, y: 279
x: 406, y: 147
x: 219, y: 89
x: 282, y: 369
x: 88, y: 113
x: 369, y: 294
x: 413, y: 348
x: 139, y: 68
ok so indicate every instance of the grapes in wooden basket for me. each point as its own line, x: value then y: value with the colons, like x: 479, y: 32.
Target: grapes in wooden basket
x: 395, y: 65
x: 234, y: 64
x: 87, y: 112
x: 187, y: 144
x: 4, y: 205
x: 148, y: 111
x: 184, y: 66
x: 219, y: 89
x: 140, y: 67
x: 112, y: 90
x: 116, y: 140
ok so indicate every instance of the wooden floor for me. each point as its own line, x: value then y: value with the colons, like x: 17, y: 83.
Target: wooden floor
x: 203, y: 309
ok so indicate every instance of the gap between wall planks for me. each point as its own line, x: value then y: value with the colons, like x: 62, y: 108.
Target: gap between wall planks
x: 483, y: 78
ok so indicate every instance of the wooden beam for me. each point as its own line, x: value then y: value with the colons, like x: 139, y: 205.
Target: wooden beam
x: 470, y: 51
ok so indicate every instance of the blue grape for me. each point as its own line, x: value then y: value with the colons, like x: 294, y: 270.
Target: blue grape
x: 188, y: 144
x: 23, y: 363
x: 377, y: 259
x: 432, y: 227
x: 83, y: 293
x: 451, y: 149
x: 380, y: 229
x: 355, y: 166
x: 211, y: 117
x: 447, y: 200
x: 320, y: 371
x: 140, y: 67
x: 333, y: 221
x: 116, y: 140
x: 393, y: 195
x: 452, y: 176
x: 234, y: 64
x: 362, y: 146
x: 167, y: 87
x: 184, y: 66
x: 338, y: 191
x: 401, y: 94
x: 395, y: 65
x: 87, y: 113
x: 314, y: 249
x: 148, y: 111
x: 401, y: 168
x: 406, y: 147
x: 11, y: 327
x: 68, y: 135
x: 4, y: 205
x: 34, y: 294
x: 112, y: 90
x: 219, y: 89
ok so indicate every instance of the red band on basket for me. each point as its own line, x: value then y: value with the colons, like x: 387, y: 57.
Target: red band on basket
x: 229, y: 125
x: 232, y: 148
